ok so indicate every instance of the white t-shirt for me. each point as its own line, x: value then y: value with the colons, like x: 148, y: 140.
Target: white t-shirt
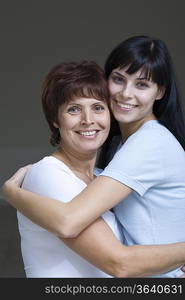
x: 44, y: 254
x: 152, y: 163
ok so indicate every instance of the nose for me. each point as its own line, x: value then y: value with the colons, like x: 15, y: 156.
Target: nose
x: 127, y: 91
x: 87, y: 117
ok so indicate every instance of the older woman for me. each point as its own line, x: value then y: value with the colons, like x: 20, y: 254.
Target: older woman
x: 74, y: 99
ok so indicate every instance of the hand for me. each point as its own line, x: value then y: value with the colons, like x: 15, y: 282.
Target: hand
x: 18, y: 177
x: 183, y: 270
x: 14, y: 182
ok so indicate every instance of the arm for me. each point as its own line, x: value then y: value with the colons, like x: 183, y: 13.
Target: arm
x: 98, y: 245
x: 65, y: 219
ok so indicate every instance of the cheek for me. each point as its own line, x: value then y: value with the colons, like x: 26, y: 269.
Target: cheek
x: 113, y: 88
x: 147, y: 99
x: 69, y: 122
x: 104, y: 120
x: 107, y: 123
x: 108, y: 118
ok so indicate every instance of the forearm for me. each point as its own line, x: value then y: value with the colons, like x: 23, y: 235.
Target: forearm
x: 99, y: 246
x: 45, y: 212
x: 142, y: 261
x: 67, y: 219
x: 132, y: 261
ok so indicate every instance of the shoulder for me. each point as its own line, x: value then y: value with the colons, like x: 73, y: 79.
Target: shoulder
x: 142, y: 152
x: 152, y: 137
x: 150, y: 131
x: 153, y: 130
x: 141, y: 144
x: 137, y: 163
x: 47, y: 166
x: 52, y: 178
x: 47, y: 174
x: 156, y: 137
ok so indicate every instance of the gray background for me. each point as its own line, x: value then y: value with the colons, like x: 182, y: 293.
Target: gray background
x: 34, y: 36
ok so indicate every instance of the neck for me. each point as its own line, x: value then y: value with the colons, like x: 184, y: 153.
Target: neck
x: 81, y: 165
x: 130, y: 128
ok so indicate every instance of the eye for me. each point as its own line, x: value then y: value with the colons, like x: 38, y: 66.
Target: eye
x: 117, y: 79
x: 142, y: 84
x: 99, y: 108
x: 73, y: 109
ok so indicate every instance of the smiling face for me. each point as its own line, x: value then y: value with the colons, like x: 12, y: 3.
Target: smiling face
x: 132, y: 97
x: 84, y: 125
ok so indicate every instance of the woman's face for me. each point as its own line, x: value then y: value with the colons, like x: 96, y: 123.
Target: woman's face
x: 132, y: 97
x: 84, y: 124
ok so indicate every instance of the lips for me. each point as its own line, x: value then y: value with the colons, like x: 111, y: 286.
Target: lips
x: 87, y: 132
x: 125, y: 106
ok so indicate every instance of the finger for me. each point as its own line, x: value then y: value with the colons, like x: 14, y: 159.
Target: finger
x: 19, y: 175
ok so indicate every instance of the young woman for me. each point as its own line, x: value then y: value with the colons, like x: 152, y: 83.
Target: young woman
x: 144, y: 181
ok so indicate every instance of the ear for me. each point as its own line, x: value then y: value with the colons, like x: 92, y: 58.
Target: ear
x: 161, y: 92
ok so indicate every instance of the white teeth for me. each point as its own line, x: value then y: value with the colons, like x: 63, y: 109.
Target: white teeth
x: 128, y: 106
x: 87, y: 133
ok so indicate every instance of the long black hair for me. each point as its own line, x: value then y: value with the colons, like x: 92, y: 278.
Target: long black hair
x: 152, y: 57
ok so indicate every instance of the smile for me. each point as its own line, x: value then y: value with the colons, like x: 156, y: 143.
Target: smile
x: 127, y: 107
x: 87, y: 133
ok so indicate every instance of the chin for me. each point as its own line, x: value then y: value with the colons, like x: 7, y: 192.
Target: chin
x: 87, y: 149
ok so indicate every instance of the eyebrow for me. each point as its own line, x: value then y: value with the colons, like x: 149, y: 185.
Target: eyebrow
x: 139, y: 78
x: 72, y: 103
x: 76, y: 103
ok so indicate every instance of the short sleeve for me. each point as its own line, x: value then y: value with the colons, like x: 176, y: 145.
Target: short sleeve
x: 50, y: 181
x: 138, y: 162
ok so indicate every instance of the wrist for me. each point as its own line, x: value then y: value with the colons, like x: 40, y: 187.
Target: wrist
x: 7, y: 189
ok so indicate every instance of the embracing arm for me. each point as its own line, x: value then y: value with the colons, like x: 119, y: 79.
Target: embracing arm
x: 99, y: 246
x: 66, y: 219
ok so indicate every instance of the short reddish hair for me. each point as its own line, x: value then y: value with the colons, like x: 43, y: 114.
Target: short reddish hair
x: 67, y: 81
